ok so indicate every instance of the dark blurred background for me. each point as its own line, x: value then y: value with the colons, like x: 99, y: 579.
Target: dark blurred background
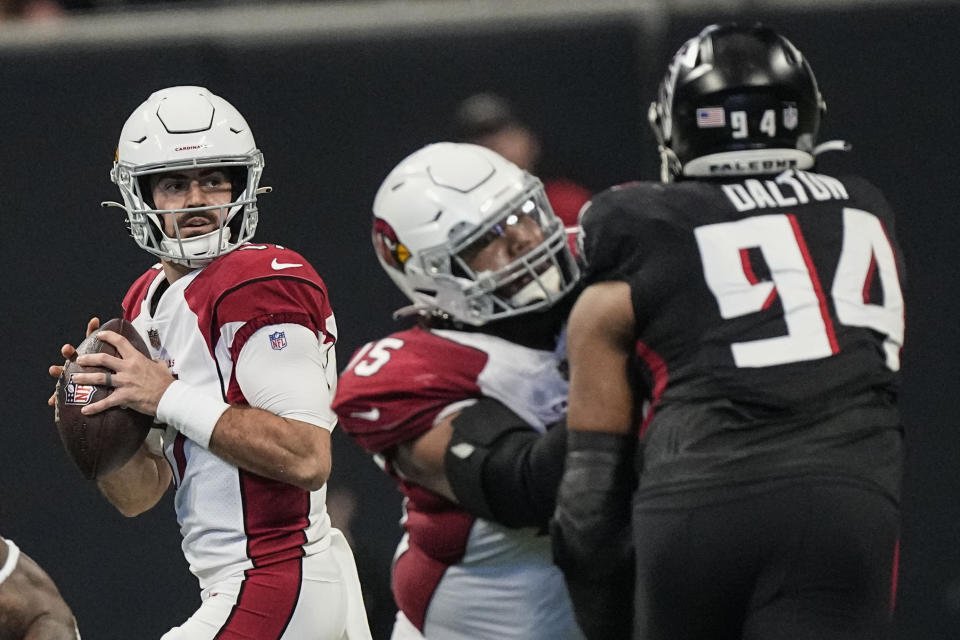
x: 336, y: 93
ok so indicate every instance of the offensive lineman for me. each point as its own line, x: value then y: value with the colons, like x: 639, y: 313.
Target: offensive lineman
x: 459, y: 408
x: 243, y: 376
x: 764, y: 302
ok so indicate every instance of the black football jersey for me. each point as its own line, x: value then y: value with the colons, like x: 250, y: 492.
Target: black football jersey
x: 770, y: 319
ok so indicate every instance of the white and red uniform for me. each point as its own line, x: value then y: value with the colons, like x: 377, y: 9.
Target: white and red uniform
x: 455, y: 576
x: 247, y: 329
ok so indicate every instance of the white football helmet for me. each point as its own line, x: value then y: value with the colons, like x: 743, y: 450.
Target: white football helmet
x: 182, y: 128
x: 450, y: 197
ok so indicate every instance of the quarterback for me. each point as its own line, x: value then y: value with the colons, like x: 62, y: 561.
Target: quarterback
x: 242, y: 376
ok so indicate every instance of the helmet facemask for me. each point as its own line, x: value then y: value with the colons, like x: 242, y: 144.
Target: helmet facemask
x: 187, y: 129
x: 533, y: 281
x: 237, y: 225
x: 437, y: 214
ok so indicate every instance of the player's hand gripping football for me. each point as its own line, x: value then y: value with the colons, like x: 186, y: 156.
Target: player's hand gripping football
x: 139, y: 382
x: 68, y: 351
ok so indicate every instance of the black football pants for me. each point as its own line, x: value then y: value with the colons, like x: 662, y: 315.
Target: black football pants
x: 809, y: 561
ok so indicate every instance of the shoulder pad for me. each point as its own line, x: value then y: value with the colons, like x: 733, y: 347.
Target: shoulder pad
x: 393, y: 389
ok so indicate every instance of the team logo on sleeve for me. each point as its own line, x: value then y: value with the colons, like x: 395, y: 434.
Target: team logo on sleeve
x: 278, y: 340
x: 391, y: 250
x: 79, y: 393
x: 372, y: 415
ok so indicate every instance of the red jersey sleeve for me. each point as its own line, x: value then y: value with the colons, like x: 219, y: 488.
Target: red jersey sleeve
x: 259, y: 285
x: 393, y: 390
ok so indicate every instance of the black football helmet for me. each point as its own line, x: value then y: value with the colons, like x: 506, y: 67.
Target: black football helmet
x: 736, y: 101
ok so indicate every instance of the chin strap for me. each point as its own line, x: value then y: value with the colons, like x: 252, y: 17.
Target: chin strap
x: 412, y: 310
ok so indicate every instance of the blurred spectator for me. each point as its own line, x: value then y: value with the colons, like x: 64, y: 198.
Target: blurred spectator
x: 491, y: 121
x: 44, y: 9
x: 30, y: 9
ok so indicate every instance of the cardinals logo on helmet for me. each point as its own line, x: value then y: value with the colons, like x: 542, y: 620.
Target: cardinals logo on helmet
x: 391, y: 250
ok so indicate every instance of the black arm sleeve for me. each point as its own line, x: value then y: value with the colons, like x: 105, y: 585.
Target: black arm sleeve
x: 501, y: 469
x: 591, y: 532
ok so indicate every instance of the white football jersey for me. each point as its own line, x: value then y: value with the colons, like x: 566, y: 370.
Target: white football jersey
x: 455, y: 576
x: 233, y: 520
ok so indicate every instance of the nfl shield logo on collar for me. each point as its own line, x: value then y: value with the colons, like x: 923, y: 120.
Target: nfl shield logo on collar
x: 278, y: 340
x: 791, y: 116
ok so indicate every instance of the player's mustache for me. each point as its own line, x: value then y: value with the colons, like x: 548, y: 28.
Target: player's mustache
x: 189, y: 218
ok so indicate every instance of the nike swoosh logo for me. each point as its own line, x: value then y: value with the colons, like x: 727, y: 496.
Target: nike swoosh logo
x: 277, y: 266
x: 372, y: 415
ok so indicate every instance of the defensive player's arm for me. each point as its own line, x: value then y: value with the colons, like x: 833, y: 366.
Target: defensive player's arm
x: 31, y: 607
x: 590, y: 531
x: 600, y: 346
x: 490, y: 461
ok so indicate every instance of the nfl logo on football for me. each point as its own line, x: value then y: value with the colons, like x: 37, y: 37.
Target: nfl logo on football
x: 78, y: 393
x: 278, y: 340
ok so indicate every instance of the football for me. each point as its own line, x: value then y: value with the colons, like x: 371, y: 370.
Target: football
x: 103, y: 442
